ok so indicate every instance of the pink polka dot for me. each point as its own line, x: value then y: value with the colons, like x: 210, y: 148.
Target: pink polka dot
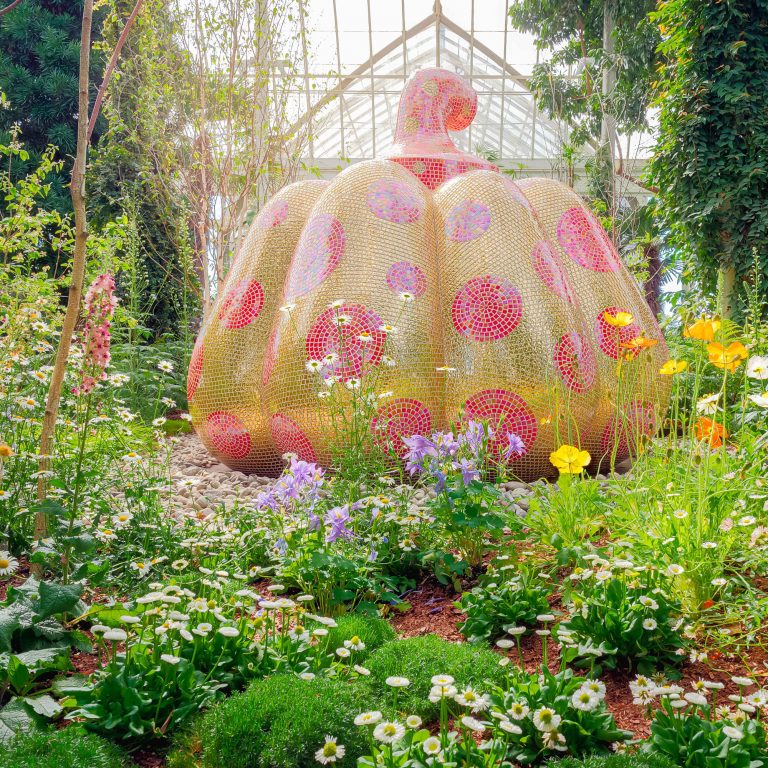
x: 273, y: 214
x: 609, y: 338
x: 290, y: 438
x: 228, y: 435
x: 338, y: 332
x: 242, y: 304
x: 487, y: 308
x: 548, y: 268
x: 404, y: 277
x: 195, y: 368
x: 467, y: 221
x: 394, y: 201
x: 505, y: 412
x: 516, y: 193
x: 575, y: 362
x: 400, y: 418
x: 585, y: 241
x: 319, y: 250
x: 624, y: 431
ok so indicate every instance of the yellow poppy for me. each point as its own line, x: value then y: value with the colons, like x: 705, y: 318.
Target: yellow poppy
x: 703, y: 330
x: 730, y: 357
x: 671, y: 367
x: 5, y: 451
x: 619, y: 320
x: 569, y: 460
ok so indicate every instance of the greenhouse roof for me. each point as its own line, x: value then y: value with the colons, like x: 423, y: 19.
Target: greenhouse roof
x: 373, y: 46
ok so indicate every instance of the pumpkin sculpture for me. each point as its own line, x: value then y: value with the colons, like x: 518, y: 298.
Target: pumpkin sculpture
x: 509, y: 302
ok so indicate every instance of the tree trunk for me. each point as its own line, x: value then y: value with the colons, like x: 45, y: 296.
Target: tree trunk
x: 77, y: 191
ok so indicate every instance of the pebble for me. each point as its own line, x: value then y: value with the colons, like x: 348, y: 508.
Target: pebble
x: 219, y: 485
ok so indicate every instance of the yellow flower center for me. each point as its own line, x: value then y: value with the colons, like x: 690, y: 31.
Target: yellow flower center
x: 329, y: 750
x: 4, y: 562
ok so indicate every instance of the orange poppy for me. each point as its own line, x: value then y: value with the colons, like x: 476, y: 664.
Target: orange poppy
x: 711, y: 431
x: 703, y: 330
x: 730, y: 357
x: 639, y: 343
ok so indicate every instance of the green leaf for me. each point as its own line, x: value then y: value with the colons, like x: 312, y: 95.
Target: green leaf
x: 45, y: 706
x: 63, y: 686
x: 57, y: 598
x: 18, y: 673
x: 14, y: 717
x: 9, y: 623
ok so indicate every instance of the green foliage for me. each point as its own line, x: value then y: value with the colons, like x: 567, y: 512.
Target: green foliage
x: 621, y: 616
x: 501, y: 602
x: 67, y: 748
x: 420, y: 658
x: 574, y: 29
x: 39, y: 61
x: 625, y: 760
x: 33, y: 641
x: 372, y: 630
x: 693, y: 739
x: 713, y: 134
x: 279, y: 722
x: 573, y: 706
x: 144, y: 109
x: 35, y: 645
x: 141, y: 701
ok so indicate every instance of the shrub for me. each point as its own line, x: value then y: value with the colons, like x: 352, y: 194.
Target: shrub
x: 67, y: 748
x: 615, y: 761
x: 499, y: 603
x: 418, y: 659
x: 279, y: 722
x: 373, y: 631
x: 623, y: 616
x: 554, y: 712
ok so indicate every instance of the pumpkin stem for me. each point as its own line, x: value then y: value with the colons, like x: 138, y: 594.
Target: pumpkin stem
x: 433, y: 102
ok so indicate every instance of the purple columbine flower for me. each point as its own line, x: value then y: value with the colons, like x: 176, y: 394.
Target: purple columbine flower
x: 446, y: 443
x: 468, y: 471
x: 515, y: 448
x: 418, y: 448
x: 473, y: 436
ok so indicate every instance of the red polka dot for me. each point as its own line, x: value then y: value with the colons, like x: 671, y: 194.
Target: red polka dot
x: 319, y: 250
x: 575, y: 362
x: 290, y: 438
x: 585, y: 241
x: 467, y: 221
x: 609, y: 338
x: 242, y: 304
x: 329, y: 335
x: 487, y: 308
x: 505, y: 412
x: 195, y: 368
x: 273, y: 214
x: 394, y: 201
x: 400, y: 418
x: 228, y: 435
x: 625, y: 430
x: 404, y: 277
x: 548, y: 268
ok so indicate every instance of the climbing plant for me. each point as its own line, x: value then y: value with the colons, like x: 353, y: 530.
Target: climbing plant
x: 709, y: 163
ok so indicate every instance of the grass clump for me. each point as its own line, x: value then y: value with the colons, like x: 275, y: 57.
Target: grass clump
x: 67, y: 748
x: 418, y: 659
x: 626, y: 760
x: 279, y: 722
x: 373, y: 631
